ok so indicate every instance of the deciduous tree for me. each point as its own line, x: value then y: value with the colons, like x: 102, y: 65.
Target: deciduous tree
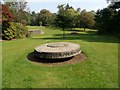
x: 86, y: 19
x: 65, y: 17
x: 45, y: 17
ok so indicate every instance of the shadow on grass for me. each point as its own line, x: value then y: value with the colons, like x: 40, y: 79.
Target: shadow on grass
x: 76, y: 30
x: 89, y: 36
x: 53, y: 62
x: 33, y: 57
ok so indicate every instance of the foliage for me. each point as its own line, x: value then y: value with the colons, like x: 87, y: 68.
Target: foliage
x: 103, y: 20
x: 6, y: 14
x: 17, y: 5
x: 11, y: 29
x: 33, y: 18
x: 45, y: 18
x: 65, y: 16
x: 7, y: 17
x: 86, y: 19
x: 108, y: 20
x: 18, y: 10
x: 115, y: 5
x: 9, y: 32
x: 15, y: 30
x: 21, y: 31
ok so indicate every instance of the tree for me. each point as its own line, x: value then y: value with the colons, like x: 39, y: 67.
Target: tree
x: 7, y: 17
x: 45, y: 17
x: 115, y: 5
x: 10, y: 28
x: 78, y: 10
x: 17, y: 4
x: 86, y: 19
x: 108, y: 19
x: 33, y: 17
x: 77, y: 18
x: 104, y: 20
x: 71, y: 16
x: 116, y: 16
x: 65, y: 17
x: 18, y: 10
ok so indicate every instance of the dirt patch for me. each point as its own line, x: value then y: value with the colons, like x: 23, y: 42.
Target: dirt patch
x: 74, y: 32
x: 35, y: 31
x: 54, y: 62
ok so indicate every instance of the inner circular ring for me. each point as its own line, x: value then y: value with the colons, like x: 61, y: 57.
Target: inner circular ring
x: 57, y: 45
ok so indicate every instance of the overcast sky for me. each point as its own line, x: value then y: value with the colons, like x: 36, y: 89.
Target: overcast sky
x: 37, y: 5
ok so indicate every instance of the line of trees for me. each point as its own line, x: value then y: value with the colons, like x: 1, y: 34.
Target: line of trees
x: 66, y: 17
x: 108, y: 19
x: 16, y: 15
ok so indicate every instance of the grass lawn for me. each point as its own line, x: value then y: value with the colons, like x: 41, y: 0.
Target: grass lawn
x: 0, y: 65
x: 99, y: 70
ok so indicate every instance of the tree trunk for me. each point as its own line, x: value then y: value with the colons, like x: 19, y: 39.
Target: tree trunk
x: 63, y: 32
x: 84, y: 29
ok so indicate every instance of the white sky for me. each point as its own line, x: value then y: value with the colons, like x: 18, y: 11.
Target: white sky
x: 37, y: 5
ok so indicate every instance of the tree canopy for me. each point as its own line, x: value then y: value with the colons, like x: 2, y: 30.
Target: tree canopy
x: 65, y: 17
x: 108, y: 19
x: 86, y: 19
x: 45, y: 17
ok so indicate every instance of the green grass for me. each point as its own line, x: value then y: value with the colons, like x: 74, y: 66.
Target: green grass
x: 0, y: 65
x: 99, y: 70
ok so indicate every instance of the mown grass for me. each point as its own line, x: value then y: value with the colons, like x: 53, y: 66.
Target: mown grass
x: 99, y: 70
x: 0, y: 65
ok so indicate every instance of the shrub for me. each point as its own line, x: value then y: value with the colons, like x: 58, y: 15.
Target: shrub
x: 21, y: 31
x: 8, y: 31
x: 15, y: 30
x: 8, y: 34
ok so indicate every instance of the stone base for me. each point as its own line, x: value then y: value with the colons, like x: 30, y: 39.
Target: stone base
x: 57, y: 50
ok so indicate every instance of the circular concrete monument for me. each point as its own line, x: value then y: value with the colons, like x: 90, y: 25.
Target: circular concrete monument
x: 58, y: 50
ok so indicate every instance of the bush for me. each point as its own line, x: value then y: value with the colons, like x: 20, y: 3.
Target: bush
x: 15, y: 30
x: 8, y: 31
x: 21, y: 31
